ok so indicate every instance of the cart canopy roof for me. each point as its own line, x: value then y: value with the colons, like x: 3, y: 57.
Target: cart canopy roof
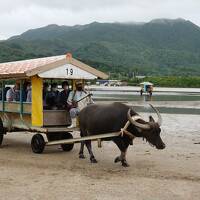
x: 63, y: 67
x: 146, y: 83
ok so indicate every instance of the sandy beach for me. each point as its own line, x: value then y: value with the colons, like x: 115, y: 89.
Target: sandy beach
x: 172, y: 173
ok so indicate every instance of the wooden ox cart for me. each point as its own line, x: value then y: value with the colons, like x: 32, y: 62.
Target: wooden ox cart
x: 49, y: 127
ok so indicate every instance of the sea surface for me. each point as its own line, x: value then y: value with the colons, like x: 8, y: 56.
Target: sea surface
x: 132, y: 94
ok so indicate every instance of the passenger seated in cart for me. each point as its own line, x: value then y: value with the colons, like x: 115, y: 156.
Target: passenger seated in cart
x: 26, y: 92
x: 44, y: 93
x: 77, y: 102
x: 13, y: 94
x: 45, y: 89
x: 29, y: 93
x: 52, y: 97
x: 64, y: 95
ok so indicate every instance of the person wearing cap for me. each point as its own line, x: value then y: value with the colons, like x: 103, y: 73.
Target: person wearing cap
x: 77, y: 102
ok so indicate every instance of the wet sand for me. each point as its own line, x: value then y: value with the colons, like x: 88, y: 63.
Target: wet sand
x: 173, y: 173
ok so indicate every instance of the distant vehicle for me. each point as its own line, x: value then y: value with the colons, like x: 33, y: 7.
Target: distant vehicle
x: 146, y: 88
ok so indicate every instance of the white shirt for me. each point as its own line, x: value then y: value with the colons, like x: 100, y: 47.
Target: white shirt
x: 79, y: 95
x: 12, y: 95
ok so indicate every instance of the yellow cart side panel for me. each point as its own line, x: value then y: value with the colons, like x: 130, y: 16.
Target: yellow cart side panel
x: 37, y: 101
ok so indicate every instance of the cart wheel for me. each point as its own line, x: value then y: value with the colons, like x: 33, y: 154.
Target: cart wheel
x: 67, y: 147
x: 37, y: 143
x: 1, y: 132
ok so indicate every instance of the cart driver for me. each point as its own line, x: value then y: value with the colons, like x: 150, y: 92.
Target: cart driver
x: 77, y: 102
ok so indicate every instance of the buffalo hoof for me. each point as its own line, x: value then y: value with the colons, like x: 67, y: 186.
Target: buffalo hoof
x: 117, y: 159
x: 81, y: 156
x: 93, y: 160
x: 125, y: 164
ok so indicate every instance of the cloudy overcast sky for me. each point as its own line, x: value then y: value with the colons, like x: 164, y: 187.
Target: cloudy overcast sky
x: 17, y: 16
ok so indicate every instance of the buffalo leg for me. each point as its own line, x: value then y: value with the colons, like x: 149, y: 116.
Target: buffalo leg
x: 89, y: 147
x: 122, y: 159
x: 81, y: 152
x: 123, y: 146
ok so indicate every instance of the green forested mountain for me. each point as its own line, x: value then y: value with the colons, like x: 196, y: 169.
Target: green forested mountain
x: 159, y: 47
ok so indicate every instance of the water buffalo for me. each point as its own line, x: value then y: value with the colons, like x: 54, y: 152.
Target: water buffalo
x: 100, y: 119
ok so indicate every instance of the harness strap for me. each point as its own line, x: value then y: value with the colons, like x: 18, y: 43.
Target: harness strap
x: 125, y: 132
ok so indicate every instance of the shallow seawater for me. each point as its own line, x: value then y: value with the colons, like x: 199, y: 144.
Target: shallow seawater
x: 159, y: 96
x: 191, y: 111
x: 128, y: 96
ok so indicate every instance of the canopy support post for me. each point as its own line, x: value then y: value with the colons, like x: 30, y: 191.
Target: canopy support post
x: 37, y: 101
x: 21, y: 97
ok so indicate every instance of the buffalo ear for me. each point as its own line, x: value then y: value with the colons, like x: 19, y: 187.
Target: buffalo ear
x: 151, y: 119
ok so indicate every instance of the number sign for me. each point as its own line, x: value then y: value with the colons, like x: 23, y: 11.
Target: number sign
x: 67, y: 71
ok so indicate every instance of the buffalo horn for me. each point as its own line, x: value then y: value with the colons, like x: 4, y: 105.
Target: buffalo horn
x: 133, y: 121
x: 159, y: 116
